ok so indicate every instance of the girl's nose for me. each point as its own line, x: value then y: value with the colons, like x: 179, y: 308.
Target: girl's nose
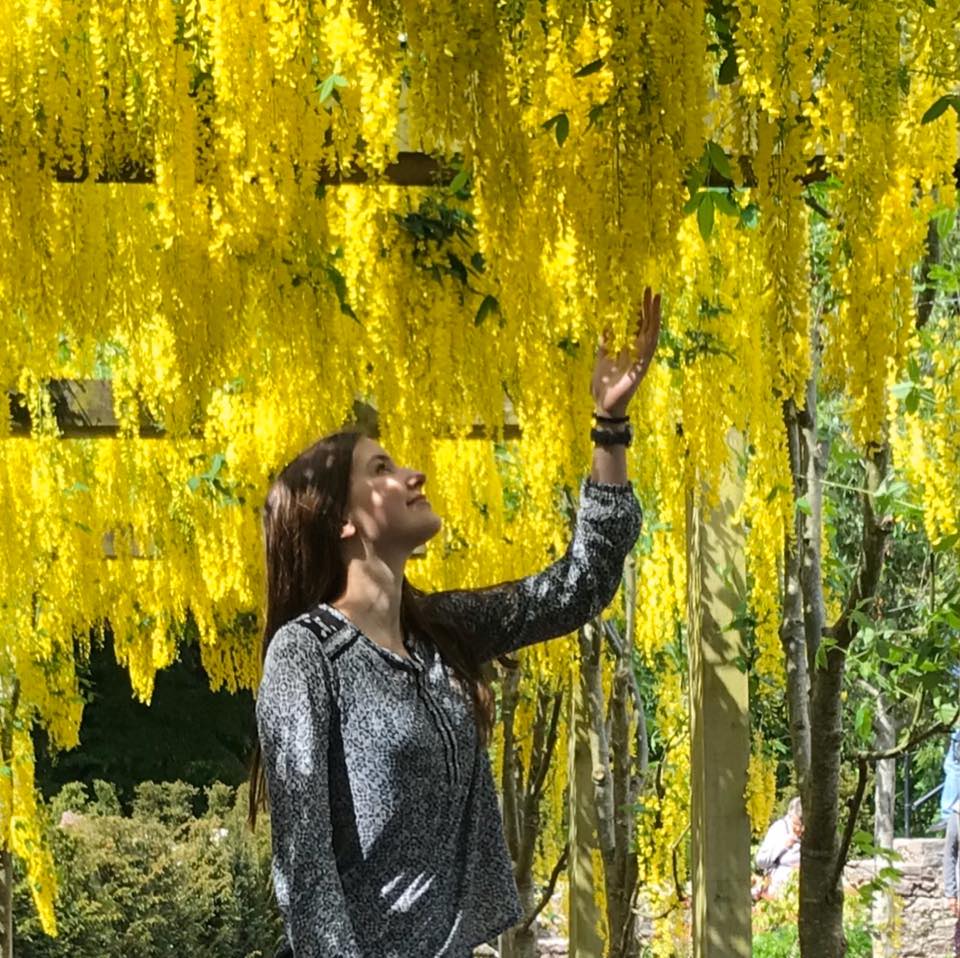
x: 416, y: 480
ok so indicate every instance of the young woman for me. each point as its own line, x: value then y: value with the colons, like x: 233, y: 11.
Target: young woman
x: 373, y: 711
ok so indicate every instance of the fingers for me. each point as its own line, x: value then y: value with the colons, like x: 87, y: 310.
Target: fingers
x: 648, y: 327
x: 603, y: 345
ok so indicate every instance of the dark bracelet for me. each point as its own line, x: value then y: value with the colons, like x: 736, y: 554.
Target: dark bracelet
x: 611, y: 420
x: 607, y: 437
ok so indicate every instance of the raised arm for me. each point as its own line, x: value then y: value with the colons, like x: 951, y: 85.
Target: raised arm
x: 563, y: 596
x: 580, y: 585
x: 293, y: 719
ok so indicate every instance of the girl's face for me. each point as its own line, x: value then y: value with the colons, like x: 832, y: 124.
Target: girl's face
x: 387, y: 507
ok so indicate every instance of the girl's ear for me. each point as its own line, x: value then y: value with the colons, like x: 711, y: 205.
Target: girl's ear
x: 347, y: 529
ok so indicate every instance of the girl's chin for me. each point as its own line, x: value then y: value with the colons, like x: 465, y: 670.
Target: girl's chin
x: 434, y: 528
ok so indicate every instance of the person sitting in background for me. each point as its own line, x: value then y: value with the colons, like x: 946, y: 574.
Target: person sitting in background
x: 779, y: 853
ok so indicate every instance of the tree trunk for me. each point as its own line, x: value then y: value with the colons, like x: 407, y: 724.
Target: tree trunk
x: 584, y: 916
x: 11, y: 700
x: 629, y: 751
x: 821, y: 892
x: 821, y: 857
x: 521, y: 802
x: 884, y: 902
x: 794, y: 633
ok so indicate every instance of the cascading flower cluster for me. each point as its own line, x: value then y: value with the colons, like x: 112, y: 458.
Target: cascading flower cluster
x: 195, y: 188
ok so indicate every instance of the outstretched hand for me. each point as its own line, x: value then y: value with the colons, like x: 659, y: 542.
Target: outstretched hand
x: 616, y: 378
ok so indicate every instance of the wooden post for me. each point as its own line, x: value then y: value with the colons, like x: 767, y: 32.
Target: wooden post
x: 6, y: 902
x: 719, y: 723
x: 584, y: 917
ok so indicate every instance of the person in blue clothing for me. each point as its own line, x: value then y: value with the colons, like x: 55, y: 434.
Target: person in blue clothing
x: 374, y: 708
x: 950, y: 793
x: 951, y: 858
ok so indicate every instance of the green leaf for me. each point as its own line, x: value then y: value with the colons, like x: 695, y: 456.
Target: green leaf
x: 562, y: 129
x: 488, y: 306
x: 595, y: 114
x: 902, y: 390
x: 693, y: 203
x: 726, y: 204
x: 705, y: 216
x: 592, y: 67
x: 719, y: 160
x: 194, y: 483
x: 944, y: 219
x: 326, y: 88
x: 913, y: 368
x: 457, y: 267
x: 939, y: 107
x: 729, y: 70
x: 459, y: 181
x: 803, y: 504
x: 946, y: 543
x: 864, y: 721
x: 774, y: 492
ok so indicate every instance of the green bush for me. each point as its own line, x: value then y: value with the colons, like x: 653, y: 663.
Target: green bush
x: 776, y: 935
x: 159, y: 882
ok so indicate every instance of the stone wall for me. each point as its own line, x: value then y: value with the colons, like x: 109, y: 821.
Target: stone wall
x: 924, y: 923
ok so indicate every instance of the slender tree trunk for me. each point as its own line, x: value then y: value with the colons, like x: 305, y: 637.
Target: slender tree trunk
x: 614, y: 735
x: 521, y: 802
x: 885, y: 794
x: 794, y: 635
x: 821, y: 892
x: 584, y: 916
x: 11, y: 700
x: 629, y: 751
x: 821, y: 857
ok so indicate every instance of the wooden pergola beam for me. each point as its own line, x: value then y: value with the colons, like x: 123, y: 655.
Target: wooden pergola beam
x: 421, y: 169
x: 410, y: 169
x: 84, y: 410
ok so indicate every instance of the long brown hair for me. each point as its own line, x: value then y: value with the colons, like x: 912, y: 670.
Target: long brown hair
x: 302, y: 518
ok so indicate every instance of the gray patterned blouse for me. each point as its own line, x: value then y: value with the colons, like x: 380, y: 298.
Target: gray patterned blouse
x: 387, y: 835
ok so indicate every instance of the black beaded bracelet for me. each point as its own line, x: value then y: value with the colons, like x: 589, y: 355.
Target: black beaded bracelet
x: 607, y: 437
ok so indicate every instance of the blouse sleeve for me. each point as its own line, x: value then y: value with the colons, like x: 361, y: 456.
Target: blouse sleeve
x: 294, y: 710
x: 565, y: 595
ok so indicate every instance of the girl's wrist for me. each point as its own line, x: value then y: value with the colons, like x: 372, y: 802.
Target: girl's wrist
x: 614, y: 412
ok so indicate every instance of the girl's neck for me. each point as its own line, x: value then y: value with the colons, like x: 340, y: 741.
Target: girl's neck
x: 372, y: 600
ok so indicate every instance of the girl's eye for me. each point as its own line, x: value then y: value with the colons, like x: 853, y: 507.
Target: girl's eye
x: 383, y: 466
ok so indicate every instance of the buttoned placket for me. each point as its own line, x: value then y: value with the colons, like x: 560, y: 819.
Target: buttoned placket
x: 415, y: 665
